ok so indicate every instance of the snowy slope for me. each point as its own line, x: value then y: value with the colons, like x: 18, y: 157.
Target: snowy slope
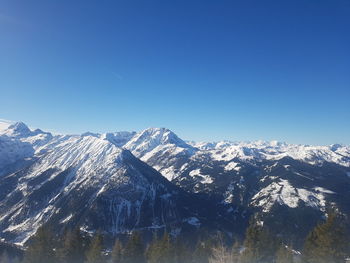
x: 283, y: 193
x: 160, y: 148
x: 260, y: 150
x: 147, y: 140
x: 86, y: 181
x: 106, y: 180
x: 258, y: 175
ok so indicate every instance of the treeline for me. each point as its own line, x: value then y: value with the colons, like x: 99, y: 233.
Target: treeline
x: 326, y: 243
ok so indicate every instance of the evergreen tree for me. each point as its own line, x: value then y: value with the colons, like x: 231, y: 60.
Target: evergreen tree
x: 161, y: 250
x: 236, y: 251
x: 326, y: 242
x: 15, y: 260
x: 73, y: 247
x: 5, y: 258
x: 117, y: 252
x: 94, y: 253
x: 134, y: 251
x: 259, y: 245
x: 283, y: 255
x: 182, y: 252
x: 202, y: 252
x: 41, y: 248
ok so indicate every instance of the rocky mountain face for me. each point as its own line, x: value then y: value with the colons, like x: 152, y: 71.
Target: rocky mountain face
x: 122, y: 181
x: 288, y: 187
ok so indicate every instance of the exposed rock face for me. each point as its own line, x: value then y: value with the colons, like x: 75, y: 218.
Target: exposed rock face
x: 121, y: 181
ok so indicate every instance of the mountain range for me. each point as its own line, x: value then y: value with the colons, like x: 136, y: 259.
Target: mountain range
x: 154, y: 181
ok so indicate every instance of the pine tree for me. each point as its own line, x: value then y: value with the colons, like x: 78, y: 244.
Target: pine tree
x: 326, y: 242
x: 236, y: 251
x: 259, y: 245
x: 41, y: 248
x: 117, y: 252
x: 182, y: 252
x: 202, y: 252
x: 283, y: 255
x: 15, y: 260
x: 153, y: 250
x: 134, y: 251
x: 161, y: 250
x: 94, y: 253
x: 73, y: 247
x: 5, y: 258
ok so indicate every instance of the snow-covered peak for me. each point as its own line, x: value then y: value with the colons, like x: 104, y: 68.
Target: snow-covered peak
x: 118, y: 138
x: 84, y: 153
x: 152, y: 142
x: 263, y: 150
x: 70, y: 176
x: 148, y: 139
x: 91, y: 134
x: 18, y: 129
x: 283, y: 193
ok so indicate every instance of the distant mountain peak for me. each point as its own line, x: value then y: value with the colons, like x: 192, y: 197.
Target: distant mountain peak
x: 105, y: 180
x: 19, y: 126
x: 163, y: 136
x: 90, y: 134
x: 151, y: 138
x: 18, y: 129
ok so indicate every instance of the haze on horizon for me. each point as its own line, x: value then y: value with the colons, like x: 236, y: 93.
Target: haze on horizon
x: 209, y: 71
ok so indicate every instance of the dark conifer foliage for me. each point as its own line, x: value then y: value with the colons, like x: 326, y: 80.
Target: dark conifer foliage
x: 10, y: 253
x: 134, y: 249
x: 284, y: 255
x: 41, y: 247
x: 94, y: 252
x: 5, y: 258
x: 117, y: 252
x: 161, y: 250
x: 183, y: 251
x: 260, y: 245
x: 327, y: 242
x: 72, y: 249
x: 203, y: 251
x: 236, y: 251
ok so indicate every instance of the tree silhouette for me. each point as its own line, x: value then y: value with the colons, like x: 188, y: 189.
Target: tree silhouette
x: 327, y: 242
x: 41, y: 248
x: 94, y: 253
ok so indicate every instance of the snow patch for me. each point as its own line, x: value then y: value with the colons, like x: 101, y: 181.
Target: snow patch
x: 205, y: 179
x: 232, y: 166
x: 65, y: 220
x: 283, y: 193
x: 193, y: 221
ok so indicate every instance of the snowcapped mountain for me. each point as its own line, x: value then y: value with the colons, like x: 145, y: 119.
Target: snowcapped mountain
x: 153, y: 179
x: 276, y: 180
x: 161, y: 149
x: 260, y: 150
x: 87, y: 181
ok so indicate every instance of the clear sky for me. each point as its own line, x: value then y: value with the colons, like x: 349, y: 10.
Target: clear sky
x: 208, y: 70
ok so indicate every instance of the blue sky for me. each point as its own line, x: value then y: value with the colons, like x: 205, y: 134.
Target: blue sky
x: 208, y: 70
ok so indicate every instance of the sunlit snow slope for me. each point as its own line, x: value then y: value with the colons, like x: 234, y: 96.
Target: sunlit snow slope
x: 152, y: 179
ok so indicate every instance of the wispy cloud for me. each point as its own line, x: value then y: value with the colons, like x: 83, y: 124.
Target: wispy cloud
x: 7, y: 121
x: 4, y: 124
